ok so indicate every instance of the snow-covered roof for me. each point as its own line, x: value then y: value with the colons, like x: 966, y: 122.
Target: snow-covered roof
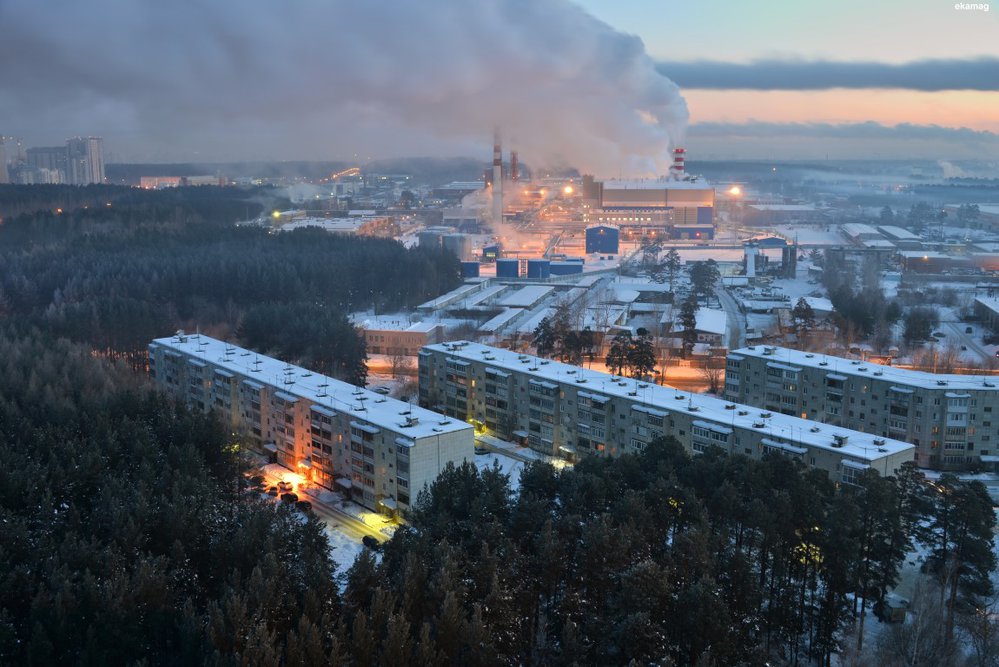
x: 501, y: 320
x: 819, y: 304
x: 527, y: 296
x: 855, y: 229
x: 709, y: 320
x: 897, y: 233
x: 395, y: 323
x: 359, y: 404
x: 855, y: 368
x: 863, y: 447
x: 883, y: 244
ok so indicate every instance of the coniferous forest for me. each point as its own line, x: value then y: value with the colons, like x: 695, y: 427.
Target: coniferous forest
x: 128, y: 536
x: 115, y: 267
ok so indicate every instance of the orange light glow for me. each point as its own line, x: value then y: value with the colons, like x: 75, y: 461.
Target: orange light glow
x: 735, y: 191
x: 567, y: 190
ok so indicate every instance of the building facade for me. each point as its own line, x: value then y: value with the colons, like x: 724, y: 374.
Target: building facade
x: 85, y: 160
x: 950, y: 419
x: 569, y: 412
x: 378, y: 451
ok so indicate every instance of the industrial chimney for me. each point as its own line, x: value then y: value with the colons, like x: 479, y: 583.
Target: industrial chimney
x: 676, y: 171
x: 497, y: 178
x: 514, y: 167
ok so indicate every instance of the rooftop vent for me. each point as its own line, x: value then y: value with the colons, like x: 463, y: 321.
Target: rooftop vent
x: 730, y: 406
x: 758, y: 424
x: 743, y: 413
x: 814, y: 429
x: 839, y: 440
x: 823, y: 363
x: 942, y: 383
x: 879, y: 373
x: 766, y: 415
x: 809, y: 355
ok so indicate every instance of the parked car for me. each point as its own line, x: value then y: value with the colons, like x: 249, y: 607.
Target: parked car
x: 371, y: 543
x: 304, y: 505
x: 289, y: 497
x: 284, y: 487
x: 273, y: 491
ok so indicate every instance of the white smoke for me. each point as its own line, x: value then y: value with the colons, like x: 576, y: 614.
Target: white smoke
x: 951, y: 170
x: 304, y: 79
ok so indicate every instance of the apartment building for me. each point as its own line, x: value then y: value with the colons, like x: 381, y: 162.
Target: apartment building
x: 378, y: 451
x: 950, y: 419
x: 569, y: 412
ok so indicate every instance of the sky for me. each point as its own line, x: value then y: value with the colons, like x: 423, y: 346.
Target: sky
x: 607, y: 86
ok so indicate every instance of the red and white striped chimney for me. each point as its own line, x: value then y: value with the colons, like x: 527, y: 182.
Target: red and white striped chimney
x: 676, y: 171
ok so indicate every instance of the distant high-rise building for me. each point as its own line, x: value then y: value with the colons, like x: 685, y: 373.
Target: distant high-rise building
x: 50, y: 158
x: 4, y: 178
x: 85, y: 160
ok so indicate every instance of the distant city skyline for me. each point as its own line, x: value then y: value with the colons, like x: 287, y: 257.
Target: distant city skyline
x: 569, y: 81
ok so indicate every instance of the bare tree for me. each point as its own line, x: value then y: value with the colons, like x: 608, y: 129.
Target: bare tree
x: 921, y: 641
x: 715, y: 377
x: 398, y: 364
x: 981, y: 627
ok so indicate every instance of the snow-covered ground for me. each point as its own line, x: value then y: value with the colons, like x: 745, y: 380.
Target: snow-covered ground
x: 509, y: 466
x: 343, y: 550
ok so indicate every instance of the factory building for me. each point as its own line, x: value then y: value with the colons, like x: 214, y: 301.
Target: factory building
x: 393, y: 336
x: 603, y: 239
x: 377, y: 451
x: 656, y: 205
x: 949, y: 418
x: 569, y: 412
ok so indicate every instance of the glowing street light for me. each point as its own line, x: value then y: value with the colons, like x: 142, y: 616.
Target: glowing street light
x: 735, y: 191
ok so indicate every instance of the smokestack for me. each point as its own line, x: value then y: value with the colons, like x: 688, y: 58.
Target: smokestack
x: 514, y: 167
x: 497, y: 178
x: 676, y: 171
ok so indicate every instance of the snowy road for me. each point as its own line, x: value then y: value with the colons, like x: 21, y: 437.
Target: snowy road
x: 736, y: 320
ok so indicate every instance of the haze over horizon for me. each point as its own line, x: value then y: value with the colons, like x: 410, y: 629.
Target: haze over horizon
x: 601, y: 86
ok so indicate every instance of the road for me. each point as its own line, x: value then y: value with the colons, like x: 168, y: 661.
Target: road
x: 956, y: 336
x: 333, y: 517
x: 736, y: 319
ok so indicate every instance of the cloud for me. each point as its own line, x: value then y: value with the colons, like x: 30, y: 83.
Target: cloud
x: 868, y: 130
x: 925, y: 75
x: 755, y: 139
x: 298, y: 78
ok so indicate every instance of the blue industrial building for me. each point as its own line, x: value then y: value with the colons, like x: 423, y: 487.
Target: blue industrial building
x: 469, y: 269
x: 507, y: 268
x: 539, y: 268
x: 604, y: 239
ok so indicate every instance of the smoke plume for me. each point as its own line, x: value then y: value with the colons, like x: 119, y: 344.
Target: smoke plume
x: 302, y: 79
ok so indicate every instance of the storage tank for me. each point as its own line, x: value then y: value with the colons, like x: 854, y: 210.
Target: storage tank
x: 469, y: 269
x: 539, y: 268
x: 566, y: 268
x: 507, y: 268
x: 603, y: 239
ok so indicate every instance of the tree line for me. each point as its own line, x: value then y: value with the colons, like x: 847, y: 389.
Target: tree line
x: 118, y: 276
